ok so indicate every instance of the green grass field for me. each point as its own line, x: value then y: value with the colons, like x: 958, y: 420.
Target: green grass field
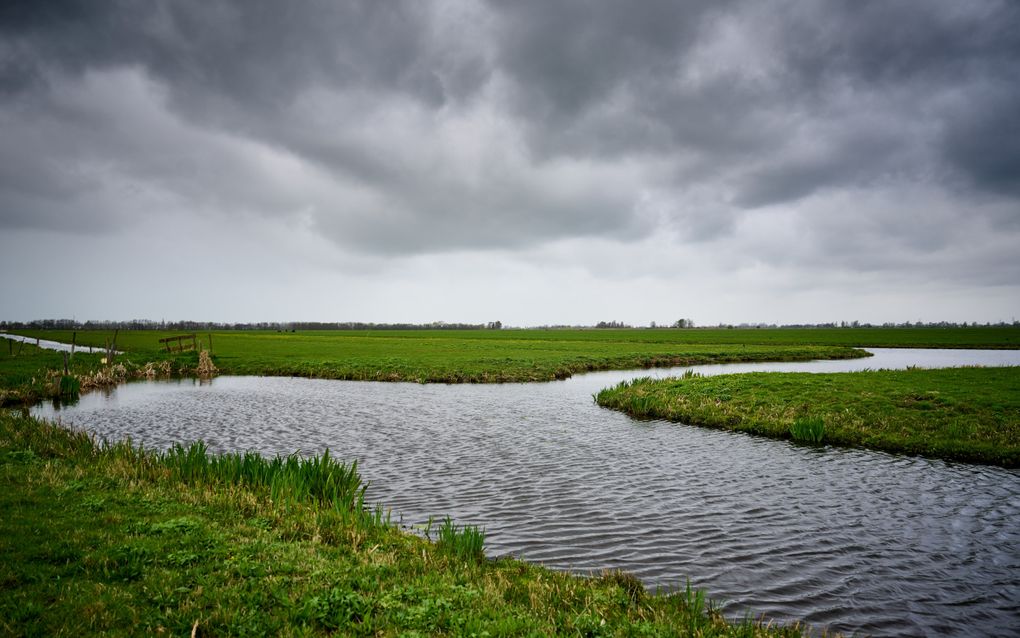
x: 115, y: 541
x: 967, y: 414
x: 971, y: 337
x: 464, y: 356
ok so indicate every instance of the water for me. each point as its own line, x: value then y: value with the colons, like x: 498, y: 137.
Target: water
x: 847, y: 540
x: 59, y: 346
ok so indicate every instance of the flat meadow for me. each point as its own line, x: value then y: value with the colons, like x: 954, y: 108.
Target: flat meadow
x: 462, y: 356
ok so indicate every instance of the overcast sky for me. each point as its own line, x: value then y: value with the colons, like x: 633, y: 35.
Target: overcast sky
x: 534, y: 162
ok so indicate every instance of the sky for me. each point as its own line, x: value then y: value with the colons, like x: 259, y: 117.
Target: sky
x: 536, y: 162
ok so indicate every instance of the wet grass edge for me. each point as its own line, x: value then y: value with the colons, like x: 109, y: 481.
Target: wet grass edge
x: 969, y: 414
x: 115, y: 539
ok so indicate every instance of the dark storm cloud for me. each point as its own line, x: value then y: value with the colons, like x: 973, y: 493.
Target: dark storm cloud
x: 953, y: 64
x: 260, y: 51
x: 983, y: 139
x: 902, y: 58
x: 429, y: 126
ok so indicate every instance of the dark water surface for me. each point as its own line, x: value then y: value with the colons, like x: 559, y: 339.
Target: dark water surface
x: 849, y: 540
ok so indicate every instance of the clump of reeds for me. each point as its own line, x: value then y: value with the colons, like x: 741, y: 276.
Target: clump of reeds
x: 206, y: 367
x: 810, y: 429
x: 103, y: 377
x: 318, y: 480
x: 462, y: 541
x: 70, y: 387
x: 152, y: 369
x: 694, y: 600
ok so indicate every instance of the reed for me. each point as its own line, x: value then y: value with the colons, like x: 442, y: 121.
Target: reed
x: 318, y: 480
x: 808, y: 429
x: 462, y: 541
x: 70, y: 387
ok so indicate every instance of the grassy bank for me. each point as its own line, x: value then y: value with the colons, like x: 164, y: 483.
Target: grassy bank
x: 453, y: 356
x: 115, y: 540
x: 29, y: 374
x: 966, y: 414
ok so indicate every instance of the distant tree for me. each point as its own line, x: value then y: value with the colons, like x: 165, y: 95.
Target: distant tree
x: 494, y: 325
x: 611, y: 324
x: 683, y: 323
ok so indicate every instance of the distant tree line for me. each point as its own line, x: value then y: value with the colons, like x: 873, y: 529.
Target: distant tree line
x: 148, y: 324
x: 888, y: 324
x: 612, y: 324
x: 288, y: 326
x: 679, y: 323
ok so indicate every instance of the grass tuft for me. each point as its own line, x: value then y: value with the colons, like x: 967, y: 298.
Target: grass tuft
x: 70, y: 387
x: 466, y: 542
x: 808, y: 429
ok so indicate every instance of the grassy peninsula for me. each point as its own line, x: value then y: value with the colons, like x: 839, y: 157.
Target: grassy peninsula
x: 452, y: 356
x: 493, y: 356
x: 965, y: 414
x: 120, y: 541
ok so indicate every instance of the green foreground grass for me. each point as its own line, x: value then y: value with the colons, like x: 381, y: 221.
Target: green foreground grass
x: 479, y: 356
x: 116, y: 540
x: 965, y: 414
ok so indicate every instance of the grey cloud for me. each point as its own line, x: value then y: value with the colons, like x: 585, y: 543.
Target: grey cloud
x: 919, y: 41
x: 261, y: 52
x: 567, y: 56
x: 861, y: 153
x: 568, y: 62
x: 982, y: 141
x: 709, y: 107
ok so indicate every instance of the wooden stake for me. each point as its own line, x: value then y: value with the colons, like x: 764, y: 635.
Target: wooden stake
x: 66, y: 371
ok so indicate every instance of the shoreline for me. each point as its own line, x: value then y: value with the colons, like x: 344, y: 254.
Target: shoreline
x: 135, y: 541
x: 965, y: 414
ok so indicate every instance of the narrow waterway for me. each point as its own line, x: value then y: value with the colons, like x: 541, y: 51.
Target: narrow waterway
x: 59, y: 346
x: 847, y: 540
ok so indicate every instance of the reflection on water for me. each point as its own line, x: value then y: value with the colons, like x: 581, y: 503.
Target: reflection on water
x: 846, y: 539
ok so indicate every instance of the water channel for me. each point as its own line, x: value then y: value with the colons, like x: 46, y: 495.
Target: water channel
x: 59, y: 346
x: 846, y: 540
